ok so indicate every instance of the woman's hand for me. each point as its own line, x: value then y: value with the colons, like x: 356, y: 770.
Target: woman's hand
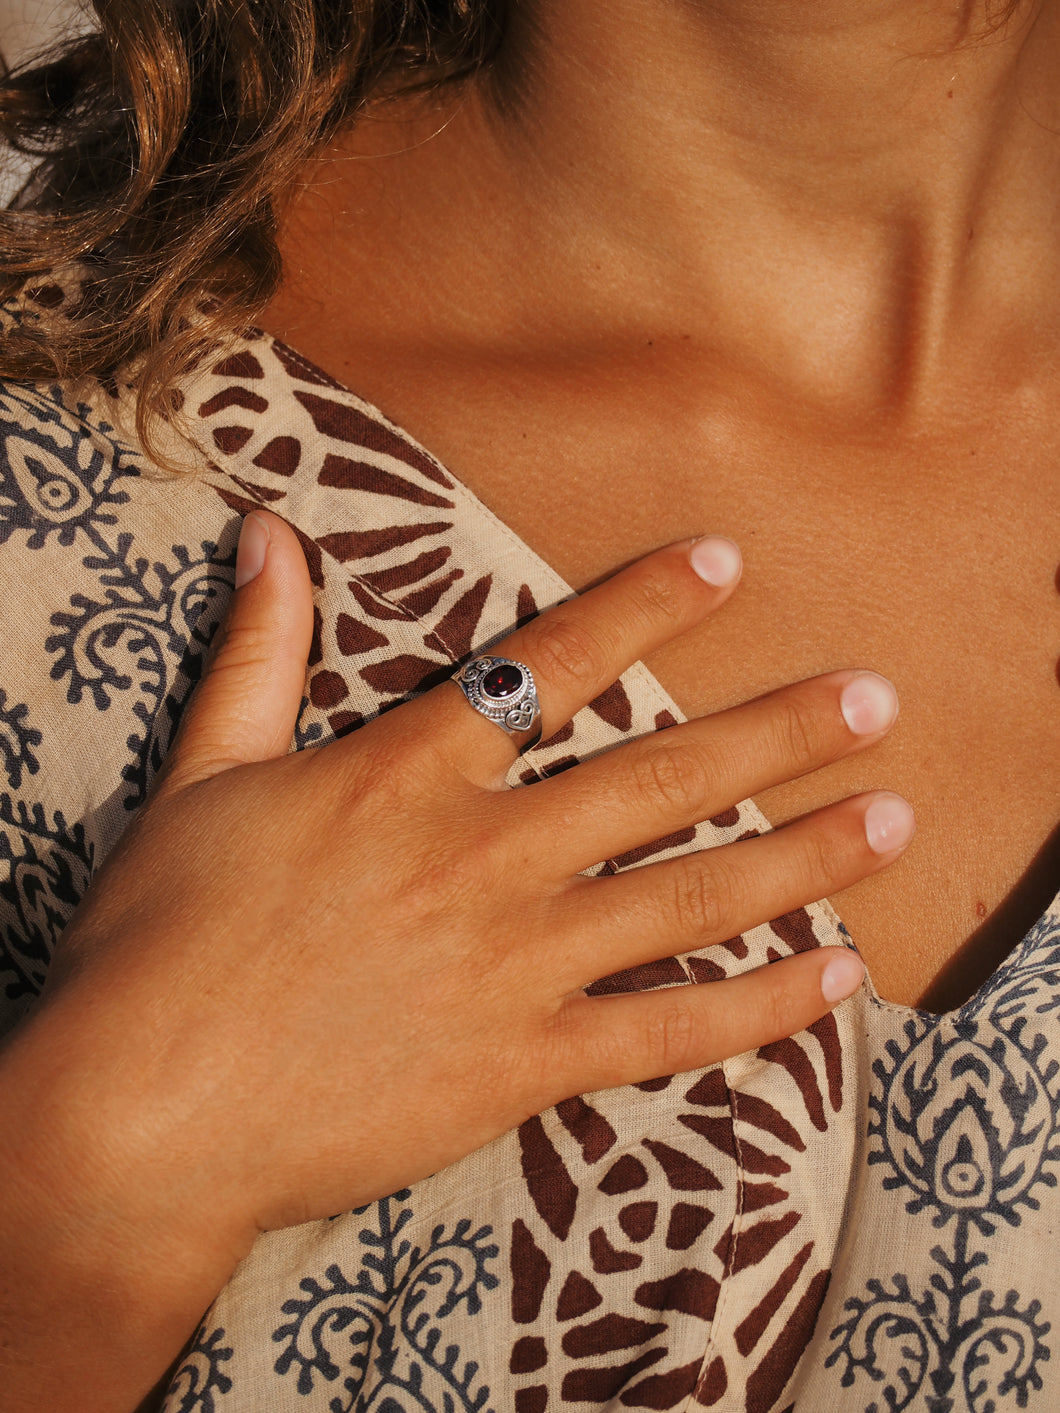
x: 281, y: 995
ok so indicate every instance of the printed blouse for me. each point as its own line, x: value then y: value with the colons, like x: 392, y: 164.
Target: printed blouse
x: 857, y: 1218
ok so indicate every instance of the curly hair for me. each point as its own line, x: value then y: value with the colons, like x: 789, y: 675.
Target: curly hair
x: 163, y: 144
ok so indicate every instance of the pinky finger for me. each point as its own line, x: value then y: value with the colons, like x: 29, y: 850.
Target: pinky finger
x: 609, y: 1041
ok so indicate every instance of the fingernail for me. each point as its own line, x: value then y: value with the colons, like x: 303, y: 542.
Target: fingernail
x: 842, y: 977
x: 250, y: 556
x: 889, y: 824
x: 716, y: 560
x: 869, y: 703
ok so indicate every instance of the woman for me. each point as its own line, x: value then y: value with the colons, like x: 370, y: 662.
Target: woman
x: 588, y: 276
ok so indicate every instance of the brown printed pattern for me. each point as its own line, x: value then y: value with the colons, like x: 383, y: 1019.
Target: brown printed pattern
x: 692, y: 1166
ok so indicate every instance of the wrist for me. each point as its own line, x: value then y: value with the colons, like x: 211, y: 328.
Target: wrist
x: 104, y: 1276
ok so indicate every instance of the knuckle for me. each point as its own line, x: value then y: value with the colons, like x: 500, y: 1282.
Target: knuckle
x: 672, y: 776
x: 777, y: 1005
x: 705, y: 898
x: 819, y: 862
x: 797, y: 740
x: 564, y: 650
x: 673, y: 1032
x: 661, y: 596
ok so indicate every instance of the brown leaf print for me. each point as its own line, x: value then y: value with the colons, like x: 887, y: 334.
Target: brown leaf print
x: 528, y: 1354
x: 420, y: 601
x: 790, y: 1056
x: 714, y: 1384
x: 410, y: 571
x: 751, y: 1329
x: 301, y: 370
x: 758, y: 1195
x: 637, y: 1219
x: 645, y: 851
x: 626, y: 1175
x: 614, y: 707
x: 557, y: 738
x: 260, y: 493
x: 552, y: 1189
x: 719, y: 1133
x: 231, y: 440
x: 327, y: 689
x: 456, y: 628
x: 316, y: 649
x: 755, y: 1244
x: 280, y: 456
x: 687, y: 1224
x: 767, y: 1382
x: 531, y: 1400
x: 354, y: 636
x: 826, y: 1032
x: 599, y: 1386
x: 346, y: 424
x: 531, y: 1270
x: 577, y: 1297
x: 525, y: 605
x: 376, y: 606
x: 607, y: 1334
x: 234, y: 397
x: 343, y: 722
x: 588, y: 1126
x: 642, y: 978
x: 683, y: 1173
x: 759, y: 1113
x: 703, y: 969
x: 606, y: 1258
x: 348, y: 475
x: 690, y: 1291
x: 710, y: 1090
x: 663, y: 1390
x: 239, y: 365
x: 347, y: 545
x: 796, y: 930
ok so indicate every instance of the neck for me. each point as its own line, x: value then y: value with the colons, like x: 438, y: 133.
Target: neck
x: 846, y: 173
x: 848, y: 205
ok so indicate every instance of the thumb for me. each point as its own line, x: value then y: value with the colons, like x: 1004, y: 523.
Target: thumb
x: 246, y: 706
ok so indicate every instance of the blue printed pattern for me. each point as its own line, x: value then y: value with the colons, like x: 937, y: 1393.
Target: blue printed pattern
x: 63, y: 479
x: 383, y: 1333
x: 967, y: 1123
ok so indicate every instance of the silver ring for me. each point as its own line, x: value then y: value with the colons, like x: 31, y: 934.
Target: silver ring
x: 503, y: 691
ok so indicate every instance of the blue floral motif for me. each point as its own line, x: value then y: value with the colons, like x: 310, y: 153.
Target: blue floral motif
x: 17, y: 740
x: 44, y: 871
x: 200, y: 1380
x: 966, y: 1121
x: 389, y: 1319
x: 59, y: 472
x: 163, y: 616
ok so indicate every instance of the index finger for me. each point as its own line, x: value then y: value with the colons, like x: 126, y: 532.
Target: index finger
x: 579, y: 648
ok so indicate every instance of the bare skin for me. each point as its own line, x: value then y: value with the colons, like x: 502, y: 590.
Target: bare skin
x: 813, y: 300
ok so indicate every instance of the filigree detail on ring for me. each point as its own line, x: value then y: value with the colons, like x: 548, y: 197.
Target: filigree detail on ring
x: 503, y: 691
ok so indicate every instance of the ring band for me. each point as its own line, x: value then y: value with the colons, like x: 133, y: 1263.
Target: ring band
x: 503, y: 691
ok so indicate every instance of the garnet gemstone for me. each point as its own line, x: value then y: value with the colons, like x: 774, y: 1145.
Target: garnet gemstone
x: 502, y: 681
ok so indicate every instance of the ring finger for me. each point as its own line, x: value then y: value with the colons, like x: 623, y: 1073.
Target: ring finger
x: 704, y: 898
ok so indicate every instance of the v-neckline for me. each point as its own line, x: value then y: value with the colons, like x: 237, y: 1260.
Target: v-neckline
x: 475, y: 508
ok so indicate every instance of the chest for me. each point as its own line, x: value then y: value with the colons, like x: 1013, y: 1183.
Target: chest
x: 933, y: 561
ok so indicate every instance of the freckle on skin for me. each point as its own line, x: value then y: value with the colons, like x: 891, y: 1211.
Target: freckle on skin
x: 980, y: 909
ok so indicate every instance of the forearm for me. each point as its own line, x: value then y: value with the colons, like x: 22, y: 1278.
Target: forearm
x: 99, y: 1287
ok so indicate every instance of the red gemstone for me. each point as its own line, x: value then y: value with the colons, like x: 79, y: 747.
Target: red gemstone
x: 503, y: 681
